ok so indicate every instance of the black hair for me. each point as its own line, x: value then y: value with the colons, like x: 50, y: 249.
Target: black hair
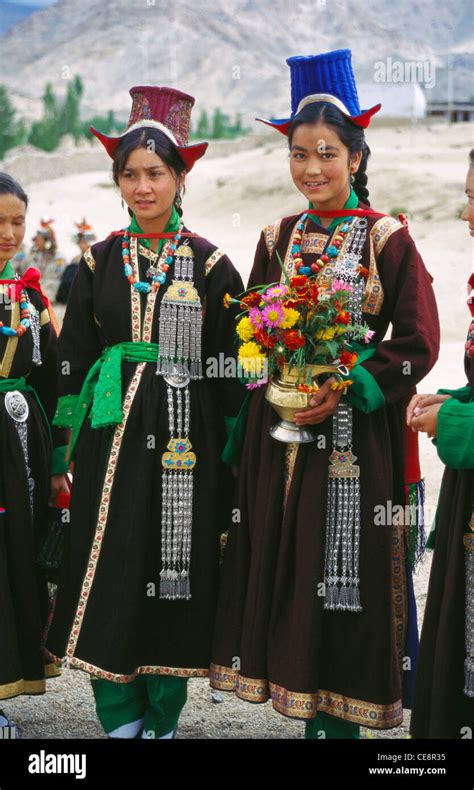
x: 471, y: 157
x: 8, y: 186
x: 153, y: 140
x: 351, y: 135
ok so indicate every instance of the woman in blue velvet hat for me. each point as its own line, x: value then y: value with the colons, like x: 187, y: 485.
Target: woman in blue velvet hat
x: 316, y: 607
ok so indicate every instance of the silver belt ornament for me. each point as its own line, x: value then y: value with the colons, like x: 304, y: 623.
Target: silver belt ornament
x: 17, y: 408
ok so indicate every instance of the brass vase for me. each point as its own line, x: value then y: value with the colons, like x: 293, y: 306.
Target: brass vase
x: 282, y: 393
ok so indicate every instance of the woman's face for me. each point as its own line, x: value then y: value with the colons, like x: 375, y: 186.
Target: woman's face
x: 468, y: 212
x: 321, y: 166
x: 12, y: 226
x: 148, y: 186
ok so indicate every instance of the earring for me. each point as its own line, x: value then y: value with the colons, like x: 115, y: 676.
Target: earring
x: 352, y: 179
x: 123, y: 204
x: 178, y: 201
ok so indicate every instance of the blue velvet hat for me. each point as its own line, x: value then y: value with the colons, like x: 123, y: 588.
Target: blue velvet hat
x: 327, y: 77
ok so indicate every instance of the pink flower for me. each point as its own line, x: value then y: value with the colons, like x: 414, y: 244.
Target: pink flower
x: 274, y: 293
x: 369, y: 335
x: 253, y: 385
x: 273, y: 315
x: 256, y: 317
x: 340, y: 285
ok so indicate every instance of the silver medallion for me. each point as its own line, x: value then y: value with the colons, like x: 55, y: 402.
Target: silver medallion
x: 17, y: 406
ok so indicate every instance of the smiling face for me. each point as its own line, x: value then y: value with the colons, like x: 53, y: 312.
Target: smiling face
x: 468, y: 212
x: 12, y: 227
x: 321, y: 166
x: 148, y: 186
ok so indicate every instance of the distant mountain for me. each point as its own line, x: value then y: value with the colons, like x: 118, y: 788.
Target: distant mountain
x: 13, y: 12
x: 229, y: 53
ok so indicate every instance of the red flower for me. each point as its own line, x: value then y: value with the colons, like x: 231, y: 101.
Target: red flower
x: 363, y: 272
x: 262, y: 337
x: 294, y: 303
x: 298, y: 281
x: 292, y: 339
x: 343, y: 318
x: 313, y: 290
x: 348, y: 359
x: 252, y: 299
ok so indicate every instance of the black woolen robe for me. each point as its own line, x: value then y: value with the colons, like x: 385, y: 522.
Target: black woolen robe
x: 106, y: 621
x: 24, y: 600
x: 273, y: 637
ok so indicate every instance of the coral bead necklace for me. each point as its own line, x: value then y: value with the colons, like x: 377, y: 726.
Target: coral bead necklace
x: 331, y: 252
x: 158, y: 272
x: 24, y: 317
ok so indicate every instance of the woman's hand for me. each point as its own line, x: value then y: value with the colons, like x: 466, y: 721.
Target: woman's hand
x: 322, y: 405
x: 59, y: 484
x: 419, y: 403
x: 427, y: 420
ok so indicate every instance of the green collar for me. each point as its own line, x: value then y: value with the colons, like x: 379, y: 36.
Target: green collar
x: 351, y: 202
x: 171, y: 227
x: 8, y: 272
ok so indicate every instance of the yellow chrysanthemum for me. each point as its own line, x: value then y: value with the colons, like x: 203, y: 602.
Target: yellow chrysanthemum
x: 226, y: 300
x: 290, y: 319
x: 251, y: 358
x: 326, y: 334
x: 245, y: 329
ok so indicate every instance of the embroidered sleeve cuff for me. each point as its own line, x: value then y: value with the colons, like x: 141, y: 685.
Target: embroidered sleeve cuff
x: 463, y: 394
x: 455, y: 434
x: 65, y: 411
x: 59, y: 465
x: 235, y: 427
x: 365, y: 394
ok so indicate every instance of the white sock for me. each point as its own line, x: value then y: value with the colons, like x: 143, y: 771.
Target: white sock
x: 149, y: 734
x: 127, y: 730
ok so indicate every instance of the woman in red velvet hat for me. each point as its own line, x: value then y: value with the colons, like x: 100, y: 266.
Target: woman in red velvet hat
x: 316, y: 609
x: 32, y: 457
x: 444, y: 691
x: 143, y: 331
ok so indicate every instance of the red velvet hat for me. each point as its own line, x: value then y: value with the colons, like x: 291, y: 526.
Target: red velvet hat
x: 166, y: 109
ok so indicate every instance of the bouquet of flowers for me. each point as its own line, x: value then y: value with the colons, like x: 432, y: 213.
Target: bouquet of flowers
x: 298, y: 324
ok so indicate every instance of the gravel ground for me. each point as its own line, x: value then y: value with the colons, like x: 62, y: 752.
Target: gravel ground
x: 67, y: 710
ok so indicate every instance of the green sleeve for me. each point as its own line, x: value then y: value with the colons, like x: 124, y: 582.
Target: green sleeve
x: 365, y: 394
x: 455, y: 434
x: 463, y: 394
x: 235, y: 427
x: 63, y: 417
x: 59, y: 465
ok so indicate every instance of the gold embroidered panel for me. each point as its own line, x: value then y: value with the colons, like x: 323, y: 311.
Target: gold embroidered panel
x: 271, y: 234
x: 212, y: 260
x: 89, y: 259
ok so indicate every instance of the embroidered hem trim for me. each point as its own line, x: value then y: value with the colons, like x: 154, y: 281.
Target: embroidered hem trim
x: 22, y: 686
x: 76, y: 663
x: 305, y: 705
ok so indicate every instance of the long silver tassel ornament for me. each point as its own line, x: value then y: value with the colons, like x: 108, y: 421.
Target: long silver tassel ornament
x: 343, y: 518
x: 35, y: 332
x: 17, y: 408
x: 341, y: 576
x: 177, y: 494
x: 469, y: 613
x: 181, y: 321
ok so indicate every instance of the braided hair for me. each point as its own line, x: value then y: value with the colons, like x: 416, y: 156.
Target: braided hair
x: 351, y: 135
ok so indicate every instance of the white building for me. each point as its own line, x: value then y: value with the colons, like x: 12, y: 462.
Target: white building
x: 398, y: 100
